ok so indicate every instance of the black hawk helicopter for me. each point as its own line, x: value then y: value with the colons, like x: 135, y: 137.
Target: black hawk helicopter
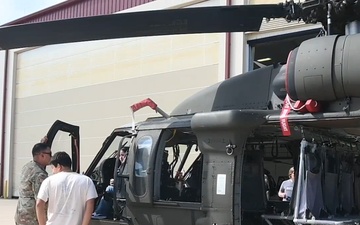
x: 306, y: 112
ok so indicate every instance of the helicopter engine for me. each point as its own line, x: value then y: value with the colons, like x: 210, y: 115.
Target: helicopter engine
x: 324, y: 69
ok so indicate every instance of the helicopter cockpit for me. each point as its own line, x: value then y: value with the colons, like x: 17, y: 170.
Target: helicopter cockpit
x: 177, y: 167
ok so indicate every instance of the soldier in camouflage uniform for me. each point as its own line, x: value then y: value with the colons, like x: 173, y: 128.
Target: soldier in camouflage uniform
x: 32, y: 175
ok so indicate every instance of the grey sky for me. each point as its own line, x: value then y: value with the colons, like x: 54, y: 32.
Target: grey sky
x: 13, y: 9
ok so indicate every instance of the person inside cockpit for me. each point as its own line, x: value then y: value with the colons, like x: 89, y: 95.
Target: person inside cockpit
x: 104, y: 208
x: 120, y: 171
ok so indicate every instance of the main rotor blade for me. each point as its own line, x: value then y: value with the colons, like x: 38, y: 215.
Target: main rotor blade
x: 162, y: 22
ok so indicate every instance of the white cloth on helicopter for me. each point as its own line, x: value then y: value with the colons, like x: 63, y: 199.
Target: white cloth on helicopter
x: 331, y: 192
x: 311, y: 197
x: 357, y: 184
x: 314, y: 199
x: 347, y: 190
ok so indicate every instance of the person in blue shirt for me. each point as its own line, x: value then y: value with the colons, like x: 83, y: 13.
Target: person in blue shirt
x: 286, y: 187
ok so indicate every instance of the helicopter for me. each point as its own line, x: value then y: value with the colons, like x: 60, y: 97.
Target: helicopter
x: 304, y: 113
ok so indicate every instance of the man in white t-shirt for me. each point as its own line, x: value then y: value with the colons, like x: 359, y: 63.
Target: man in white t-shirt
x: 70, y: 196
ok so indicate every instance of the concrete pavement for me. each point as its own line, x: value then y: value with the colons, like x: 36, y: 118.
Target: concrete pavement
x: 7, y: 211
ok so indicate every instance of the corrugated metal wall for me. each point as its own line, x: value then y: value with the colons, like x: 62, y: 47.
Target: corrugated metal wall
x: 80, y: 8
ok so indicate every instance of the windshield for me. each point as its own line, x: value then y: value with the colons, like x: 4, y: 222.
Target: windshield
x: 104, y: 169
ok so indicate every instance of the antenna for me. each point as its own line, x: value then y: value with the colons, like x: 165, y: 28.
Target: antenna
x: 329, y: 7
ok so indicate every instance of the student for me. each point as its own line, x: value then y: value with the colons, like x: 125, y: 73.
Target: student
x: 120, y: 186
x: 105, y: 207
x: 70, y: 196
x: 32, y: 175
x: 286, y: 187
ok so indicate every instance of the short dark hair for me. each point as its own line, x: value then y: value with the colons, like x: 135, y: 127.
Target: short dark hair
x: 125, y: 149
x: 61, y: 158
x: 39, y: 147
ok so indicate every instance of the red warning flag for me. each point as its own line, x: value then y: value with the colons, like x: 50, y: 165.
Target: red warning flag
x: 284, y: 124
x: 142, y: 104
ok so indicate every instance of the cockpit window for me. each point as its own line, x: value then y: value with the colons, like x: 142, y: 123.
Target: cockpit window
x: 141, y: 166
x: 104, y: 170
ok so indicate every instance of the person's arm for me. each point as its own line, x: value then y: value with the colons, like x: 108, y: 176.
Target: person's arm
x: 91, y: 195
x: 40, y: 212
x: 38, y: 180
x: 89, y: 208
x: 44, y: 139
x: 281, y: 192
x: 42, y: 197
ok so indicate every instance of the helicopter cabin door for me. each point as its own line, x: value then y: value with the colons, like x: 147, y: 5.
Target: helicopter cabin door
x: 139, y: 186
x: 65, y: 137
x: 166, y: 178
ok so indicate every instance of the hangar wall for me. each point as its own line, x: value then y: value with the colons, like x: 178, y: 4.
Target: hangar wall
x: 93, y: 84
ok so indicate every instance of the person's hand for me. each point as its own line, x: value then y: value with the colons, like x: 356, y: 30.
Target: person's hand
x: 44, y: 139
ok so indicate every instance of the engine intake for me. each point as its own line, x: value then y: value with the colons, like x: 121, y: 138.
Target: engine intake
x: 324, y: 69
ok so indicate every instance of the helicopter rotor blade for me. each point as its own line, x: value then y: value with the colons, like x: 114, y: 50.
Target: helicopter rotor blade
x: 239, y: 18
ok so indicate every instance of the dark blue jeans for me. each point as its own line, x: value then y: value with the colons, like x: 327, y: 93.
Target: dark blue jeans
x: 104, y: 208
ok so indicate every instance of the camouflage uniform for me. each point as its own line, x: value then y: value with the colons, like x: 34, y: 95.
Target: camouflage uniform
x: 32, y: 175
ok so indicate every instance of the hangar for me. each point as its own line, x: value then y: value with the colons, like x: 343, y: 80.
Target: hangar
x: 92, y: 84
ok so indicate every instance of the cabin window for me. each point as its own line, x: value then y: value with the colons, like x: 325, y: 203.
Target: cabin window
x: 141, y: 165
x: 181, y: 167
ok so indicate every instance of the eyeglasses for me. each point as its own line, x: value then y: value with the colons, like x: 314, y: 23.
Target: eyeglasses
x: 48, y: 153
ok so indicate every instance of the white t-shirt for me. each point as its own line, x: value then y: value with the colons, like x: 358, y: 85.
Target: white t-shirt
x: 66, y: 193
